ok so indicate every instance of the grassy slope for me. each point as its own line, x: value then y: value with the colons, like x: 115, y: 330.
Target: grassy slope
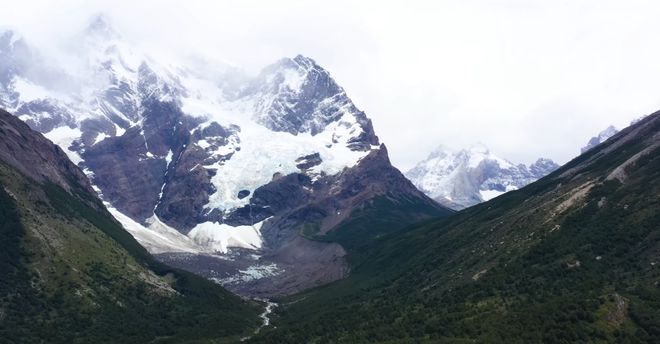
x: 73, y: 274
x: 507, y: 270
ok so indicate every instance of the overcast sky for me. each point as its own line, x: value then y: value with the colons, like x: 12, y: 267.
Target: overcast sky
x: 526, y: 78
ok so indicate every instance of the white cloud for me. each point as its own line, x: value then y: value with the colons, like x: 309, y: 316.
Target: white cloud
x: 527, y: 78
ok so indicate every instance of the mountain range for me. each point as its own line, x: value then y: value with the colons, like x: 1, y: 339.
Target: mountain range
x: 212, y: 169
x: 460, y: 179
x: 140, y: 197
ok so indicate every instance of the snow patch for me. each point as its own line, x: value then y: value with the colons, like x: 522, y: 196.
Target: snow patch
x: 264, y: 153
x: 100, y: 137
x: 119, y: 131
x: 64, y: 137
x: 203, y: 144
x: 218, y: 237
x: 156, y: 237
x: 168, y: 157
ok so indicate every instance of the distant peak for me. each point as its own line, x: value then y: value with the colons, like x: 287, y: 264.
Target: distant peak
x: 543, y: 161
x: 602, y: 137
x: 609, y: 131
x: 300, y: 63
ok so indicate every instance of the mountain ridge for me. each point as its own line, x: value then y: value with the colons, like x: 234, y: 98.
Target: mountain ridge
x: 462, y: 178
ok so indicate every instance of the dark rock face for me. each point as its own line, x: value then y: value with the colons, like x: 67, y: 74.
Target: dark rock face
x: 133, y: 182
x: 188, y: 180
x: 36, y: 157
x: 138, y: 159
x: 309, y: 161
x: 187, y: 191
x: 93, y: 127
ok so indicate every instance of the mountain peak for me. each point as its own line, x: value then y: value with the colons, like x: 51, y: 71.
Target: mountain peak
x: 474, y: 174
x: 301, y: 65
x: 600, y: 138
x: 609, y: 131
x: 306, y: 63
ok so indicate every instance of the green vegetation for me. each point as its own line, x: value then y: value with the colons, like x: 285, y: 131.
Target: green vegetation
x: 573, y: 257
x: 72, y: 274
x: 375, y: 219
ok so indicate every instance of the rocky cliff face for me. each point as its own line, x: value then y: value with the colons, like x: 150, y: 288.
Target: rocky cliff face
x: 459, y: 179
x: 41, y: 161
x: 198, y: 162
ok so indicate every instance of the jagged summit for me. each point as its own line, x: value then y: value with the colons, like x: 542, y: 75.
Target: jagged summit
x: 298, y: 96
x: 462, y: 178
x: 600, y: 138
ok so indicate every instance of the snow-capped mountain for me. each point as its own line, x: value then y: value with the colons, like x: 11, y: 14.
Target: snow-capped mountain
x: 459, y: 179
x: 600, y: 138
x: 201, y: 158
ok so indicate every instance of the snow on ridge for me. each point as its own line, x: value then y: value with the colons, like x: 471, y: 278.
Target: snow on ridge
x: 263, y: 153
x: 472, y: 175
x: 207, y: 237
